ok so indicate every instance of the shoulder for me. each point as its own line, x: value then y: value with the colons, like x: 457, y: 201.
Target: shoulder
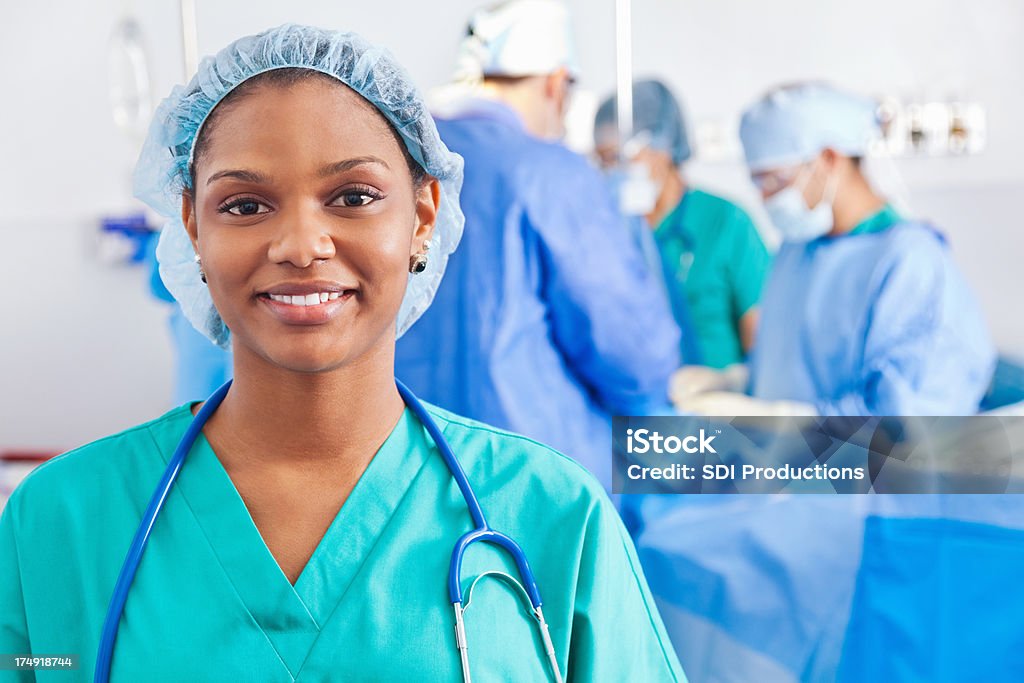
x: 725, y: 217
x: 916, y: 237
x: 491, y: 455
x: 100, y: 470
x: 917, y: 247
x: 711, y: 201
x: 544, y: 161
x: 720, y: 206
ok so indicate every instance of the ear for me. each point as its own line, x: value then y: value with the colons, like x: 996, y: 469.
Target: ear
x: 188, y: 218
x: 428, y: 201
x: 830, y: 157
x: 555, y: 84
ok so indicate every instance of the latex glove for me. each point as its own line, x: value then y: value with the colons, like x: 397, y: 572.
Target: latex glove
x: 698, y: 379
x: 732, y: 404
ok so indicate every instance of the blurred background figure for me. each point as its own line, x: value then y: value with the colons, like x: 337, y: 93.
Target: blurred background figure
x: 713, y: 258
x: 200, y: 366
x: 865, y: 312
x: 548, y: 320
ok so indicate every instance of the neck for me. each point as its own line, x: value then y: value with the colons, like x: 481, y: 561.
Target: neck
x: 852, y: 206
x: 671, y: 194
x: 340, y: 416
x: 521, y: 97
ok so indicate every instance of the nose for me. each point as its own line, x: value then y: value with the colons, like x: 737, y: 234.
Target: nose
x: 303, y: 237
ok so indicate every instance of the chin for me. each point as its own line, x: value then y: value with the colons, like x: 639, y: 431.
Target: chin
x: 311, y: 355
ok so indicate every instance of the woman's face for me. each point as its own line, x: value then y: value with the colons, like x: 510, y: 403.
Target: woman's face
x: 305, y: 216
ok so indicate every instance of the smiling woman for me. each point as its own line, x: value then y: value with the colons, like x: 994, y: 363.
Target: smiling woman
x: 292, y: 214
x: 303, y: 518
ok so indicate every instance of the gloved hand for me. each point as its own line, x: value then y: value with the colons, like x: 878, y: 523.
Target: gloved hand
x: 733, y: 404
x: 698, y: 379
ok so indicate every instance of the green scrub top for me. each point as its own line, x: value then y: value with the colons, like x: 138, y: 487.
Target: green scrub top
x: 715, y: 264
x: 881, y: 220
x: 209, y: 601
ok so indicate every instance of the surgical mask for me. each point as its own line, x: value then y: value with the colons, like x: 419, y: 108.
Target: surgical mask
x: 638, y: 193
x: 794, y: 220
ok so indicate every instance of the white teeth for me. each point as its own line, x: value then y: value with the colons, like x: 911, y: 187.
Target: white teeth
x: 305, y: 300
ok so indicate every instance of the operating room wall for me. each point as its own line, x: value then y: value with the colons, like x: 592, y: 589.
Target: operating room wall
x: 84, y: 350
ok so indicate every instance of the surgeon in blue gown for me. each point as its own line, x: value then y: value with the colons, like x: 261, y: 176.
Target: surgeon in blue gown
x: 549, y: 320
x: 865, y: 313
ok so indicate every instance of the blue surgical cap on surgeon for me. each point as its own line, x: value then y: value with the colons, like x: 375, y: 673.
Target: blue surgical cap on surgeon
x: 794, y: 124
x: 162, y: 172
x: 656, y: 112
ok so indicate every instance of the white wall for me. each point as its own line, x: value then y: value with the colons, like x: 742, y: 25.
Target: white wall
x: 82, y: 346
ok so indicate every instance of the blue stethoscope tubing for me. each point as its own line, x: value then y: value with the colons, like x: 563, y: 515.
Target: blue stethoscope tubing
x: 481, y: 532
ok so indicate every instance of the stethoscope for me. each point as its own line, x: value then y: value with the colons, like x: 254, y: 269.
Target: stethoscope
x: 481, y: 532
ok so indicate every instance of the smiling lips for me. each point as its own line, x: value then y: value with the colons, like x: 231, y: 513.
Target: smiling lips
x: 312, y: 304
x: 305, y: 300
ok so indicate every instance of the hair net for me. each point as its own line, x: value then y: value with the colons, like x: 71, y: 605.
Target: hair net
x: 162, y: 171
x: 656, y: 112
x: 517, y: 38
x: 793, y: 124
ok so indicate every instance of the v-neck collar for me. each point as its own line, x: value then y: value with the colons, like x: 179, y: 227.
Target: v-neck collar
x: 675, y: 222
x: 293, y: 616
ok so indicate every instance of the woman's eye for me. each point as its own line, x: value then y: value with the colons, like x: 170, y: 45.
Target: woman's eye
x: 245, y: 207
x: 355, y: 199
x: 357, y: 196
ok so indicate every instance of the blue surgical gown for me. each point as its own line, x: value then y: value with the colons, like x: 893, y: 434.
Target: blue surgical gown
x: 876, y: 322
x: 210, y: 603
x: 849, y: 587
x: 548, y: 320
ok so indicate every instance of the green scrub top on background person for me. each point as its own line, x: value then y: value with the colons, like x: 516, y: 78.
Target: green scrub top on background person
x: 715, y: 263
x: 210, y: 602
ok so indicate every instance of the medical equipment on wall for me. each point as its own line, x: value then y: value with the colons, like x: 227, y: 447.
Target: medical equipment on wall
x: 482, y: 532
x: 123, y: 232
x: 123, y: 237
x: 131, y: 100
x: 914, y: 128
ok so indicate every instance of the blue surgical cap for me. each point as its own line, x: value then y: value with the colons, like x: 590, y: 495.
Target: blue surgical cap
x: 162, y: 172
x: 655, y: 111
x: 794, y: 124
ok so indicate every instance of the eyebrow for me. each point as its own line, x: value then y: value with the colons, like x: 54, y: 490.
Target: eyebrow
x: 258, y: 178
x: 240, y: 174
x: 347, y: 164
